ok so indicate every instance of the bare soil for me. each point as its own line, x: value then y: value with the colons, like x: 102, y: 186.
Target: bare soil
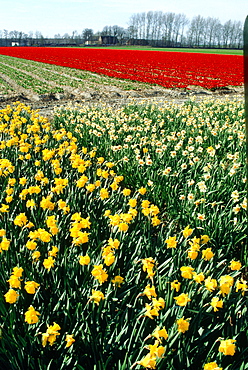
x: 112, y: 95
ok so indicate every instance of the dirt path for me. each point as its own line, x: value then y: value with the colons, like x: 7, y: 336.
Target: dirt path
x: 109, y: 94
x: 178, y: 97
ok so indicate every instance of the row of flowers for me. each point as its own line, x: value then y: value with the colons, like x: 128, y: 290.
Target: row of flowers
x: 79, y: 241
x: 169, y: 69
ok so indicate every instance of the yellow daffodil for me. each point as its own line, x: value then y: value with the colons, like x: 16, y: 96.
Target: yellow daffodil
x: 182, y: 325
x: 84, y: 260
x: 187, y: 231
x: 31, y: 287
x: 31, y: 316
x: 69, y: 340
x: 160, y: 333
x: 210, y: 284
x: 171, y: 242
x: 50, y: 335
x: 117, y: 281
x: 99, y: 273
x: 216, y: 303
x: 48, y: 263
x: 182, y: 299
x: 96, y: 296
x: 227, y: 347
x: 149, y: 291
x: 212, y: 366
x: 11, y: 296
x: 235, y: 265
x: 207, y: 254
x: 175, y: 285
x: 187, y: 272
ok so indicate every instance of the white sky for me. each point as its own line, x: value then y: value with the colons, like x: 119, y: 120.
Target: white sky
x: 64, y: 16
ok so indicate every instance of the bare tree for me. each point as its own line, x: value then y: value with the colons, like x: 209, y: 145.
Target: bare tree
x: 211, y: 30
x: 156, y: 26
x: 118, y: 32
x: 179, y: 24
x: 239, y: 35
x: 21, y: 35
x: 196, y: 31
x: 236, y: 35
x: 87, y: 34
x: 5, y: 34
x: 38, y: 35
x: 227, y: 30
x: 141, y: 22
x: 168, y: 24
x: 149, y: 20
x: 107, y: 31
x: 74, y: 34
x: 133, y: 27
x: 66, y: 36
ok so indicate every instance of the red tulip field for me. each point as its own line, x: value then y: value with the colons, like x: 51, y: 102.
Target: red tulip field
x: 168, y: 69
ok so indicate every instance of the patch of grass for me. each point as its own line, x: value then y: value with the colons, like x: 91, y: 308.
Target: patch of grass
x: 183, y: 50
x: 62, y: 76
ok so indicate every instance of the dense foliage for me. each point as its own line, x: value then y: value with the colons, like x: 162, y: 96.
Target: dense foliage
x: 123, y: 237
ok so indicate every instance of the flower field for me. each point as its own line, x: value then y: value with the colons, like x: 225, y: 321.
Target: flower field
x: 123, y: 237
x: 169, y: 69
x: 43, y: 78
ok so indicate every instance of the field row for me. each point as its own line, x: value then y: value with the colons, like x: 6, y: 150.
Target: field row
x: 181, y: 50
x: 168, y: 69
x: 41, y: 78
x: 123, y: 237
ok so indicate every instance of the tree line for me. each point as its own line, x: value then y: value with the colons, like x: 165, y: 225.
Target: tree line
x: 154, y: 28
x: 171, y: 29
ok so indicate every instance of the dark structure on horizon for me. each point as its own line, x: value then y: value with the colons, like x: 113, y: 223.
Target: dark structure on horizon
x: 153, y: 28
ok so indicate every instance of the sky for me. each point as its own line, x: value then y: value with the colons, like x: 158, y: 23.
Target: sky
x: 51, y: 17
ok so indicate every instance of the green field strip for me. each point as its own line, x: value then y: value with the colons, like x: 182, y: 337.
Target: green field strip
x: 5, y: 88
x: 69, y: 76
x: 49, y: 72
x: 26, y: 81
x: 44, y: 73
x: 85, y: 76
x: 181, y: 50
x: 35, y: 70
x: 104, y: 80
x: 39, y: 72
